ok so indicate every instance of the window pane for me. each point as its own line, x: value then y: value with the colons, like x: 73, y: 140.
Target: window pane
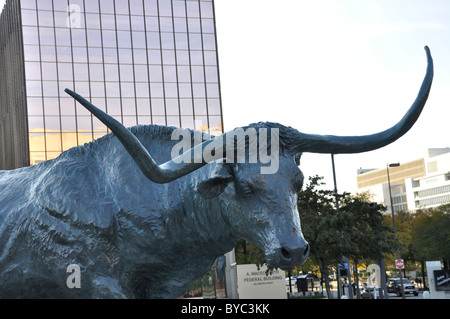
x: 94, y: 38
x: 45, y: 4
x: 67, y: 105
x: 157, y: 106
x: 122, y: 6
x: 68, y: 123
x: 108, y: 22
x: 45, y: 18
x: 211, y: 74
x: 79, y: 37
x: 123, y: 22
x: 180, y: 25
x: 165, y: 8
x: 49, y: 71
x: 206, y: 9
x: 63, y: 37
x: 114, y: 107
x: 47, y: 36
x: 179, y: 9
x: 125, y: 56
x: 139, y: 40
x: 97, y: 91
x: 37, y: 142
x: 48, y: 54
x: 183, y: 57
x: 209, y: 42
x: 84, y: 124
x: 80, y: 54
x: 64, y: 54
x: 166, y: 24
x: 34, y: 88
x: 81, y: 72
x: 96, y: 72
x: 92, y: 20
x: 214, y: 106
x: 184, y: 74
x: 32, y: 70
x: 137, y: 7
x: 143, y: 106
x: 212, y: 90
x: 170, y: 73
x: 28, y: 4
x: 200, y: 107
x: 30, y: 35
x: 195, y: 41
x: 154, y: 56
x: 36, y: 124
x: 124, y: 39
x: 192, y: 9
x: 172, y: 107
x: 186, y: 107
x: 153, y: 40
x: 126, y: 72
x: 69, y: 140
x: 152, y: 24
x: 65, y: 71
x: 95, y: 55
x: 29, y: 17
x: 181, y: 41
x: 168, y: 57
x: 91, y: 6
x: 34, y: 106
x: 171, y: 90
x: 50, y: 88
x: 111, y: 72
x: 167, y: 41
x: 156, y: 90
x: 140, y: 56
x: 109, y: 39
x: 31, y: 53
x: 141, y: 73
x: 51, y: 107
x: 137, y: 23
x: 127, y: 90
x: 61, y: 19
x: 194, y: 25
x: 197, y: 57
x: 112, y: 89
x: 150, y: 7
x: 128, y: 106
x: 155, y: 73
x: 107, y: 6
x: 110, y: 55
x: 142, y: 90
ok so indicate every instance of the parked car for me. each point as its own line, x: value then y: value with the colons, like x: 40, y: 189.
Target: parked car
x: 370, y: 293
x: 394, y: 286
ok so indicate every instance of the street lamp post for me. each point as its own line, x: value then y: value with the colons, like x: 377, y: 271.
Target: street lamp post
x: 393, y: 223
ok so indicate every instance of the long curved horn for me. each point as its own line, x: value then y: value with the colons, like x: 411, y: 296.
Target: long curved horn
x: 163, y: 173
x: 331, y: 144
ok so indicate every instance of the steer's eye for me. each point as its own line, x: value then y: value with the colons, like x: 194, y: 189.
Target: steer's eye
x: 247, y: 189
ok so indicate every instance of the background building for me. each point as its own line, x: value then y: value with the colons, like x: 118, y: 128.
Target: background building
x: 143, y: 62
x: 421, y: 183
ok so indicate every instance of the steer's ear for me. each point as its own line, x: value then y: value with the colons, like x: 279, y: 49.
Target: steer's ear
x: 215, y: 184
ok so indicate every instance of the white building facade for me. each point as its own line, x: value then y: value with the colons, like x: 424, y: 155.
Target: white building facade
x: 422, y: 183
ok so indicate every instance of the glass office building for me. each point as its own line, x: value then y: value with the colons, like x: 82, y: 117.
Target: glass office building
x: 141, y: 61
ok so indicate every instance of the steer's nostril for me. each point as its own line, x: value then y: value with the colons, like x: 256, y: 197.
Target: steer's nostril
x: 286, y: 254
x: 306, y: 252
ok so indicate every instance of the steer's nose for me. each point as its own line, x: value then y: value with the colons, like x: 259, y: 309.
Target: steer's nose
x: 291, y: 257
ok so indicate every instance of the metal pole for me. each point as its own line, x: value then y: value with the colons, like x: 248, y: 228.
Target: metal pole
x: 350, y: 291
x: 393, y: 224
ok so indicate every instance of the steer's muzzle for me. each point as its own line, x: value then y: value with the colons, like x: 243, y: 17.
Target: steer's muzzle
x: 288, y: 258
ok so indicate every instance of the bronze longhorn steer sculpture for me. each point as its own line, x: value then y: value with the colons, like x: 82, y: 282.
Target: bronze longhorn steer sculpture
x: 139, y: 229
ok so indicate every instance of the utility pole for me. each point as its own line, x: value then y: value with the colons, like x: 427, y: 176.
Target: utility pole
x: 349, y: 277
x: 393, y: 223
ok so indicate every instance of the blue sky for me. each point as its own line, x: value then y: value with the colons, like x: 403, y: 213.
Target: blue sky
x: 345, y: 67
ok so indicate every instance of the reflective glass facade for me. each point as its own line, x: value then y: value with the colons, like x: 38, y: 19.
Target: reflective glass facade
x: 141, y: 61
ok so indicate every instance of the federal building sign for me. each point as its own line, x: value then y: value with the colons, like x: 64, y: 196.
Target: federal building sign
x: 442, y: 278
x: 254, y: 283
